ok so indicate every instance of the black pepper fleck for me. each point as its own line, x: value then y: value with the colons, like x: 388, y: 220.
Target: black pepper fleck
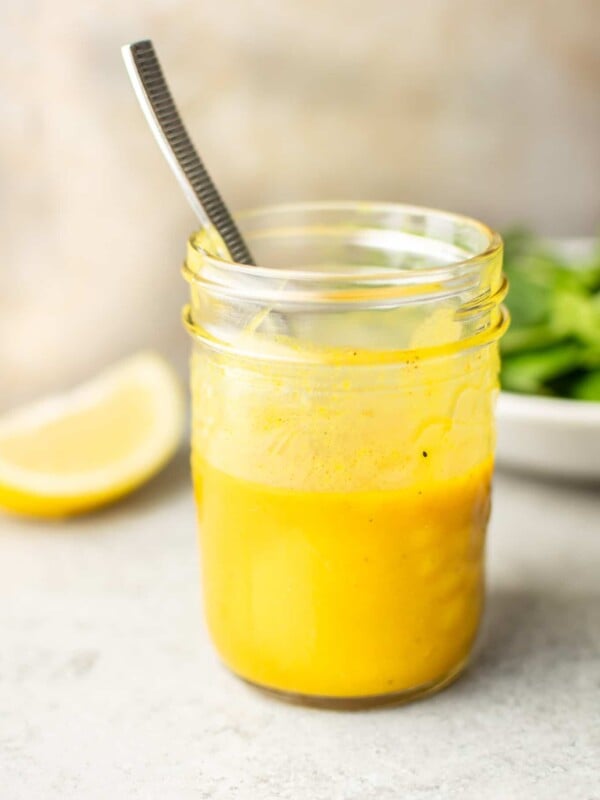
x: 425, y: 453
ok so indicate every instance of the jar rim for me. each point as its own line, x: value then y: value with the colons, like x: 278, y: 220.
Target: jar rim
x: 437, y: 260
x: 350, y: 355
x: 402, y: 275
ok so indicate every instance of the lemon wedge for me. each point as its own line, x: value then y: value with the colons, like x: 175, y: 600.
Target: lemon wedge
x: 76, y: 451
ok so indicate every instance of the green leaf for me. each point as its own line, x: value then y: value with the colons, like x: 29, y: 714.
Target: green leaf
x: 553, y: 344
x: 530, y: 372
x: 576, y: 313
x: 587, y: 387
x: 590, y: 356
x: 532, y: 337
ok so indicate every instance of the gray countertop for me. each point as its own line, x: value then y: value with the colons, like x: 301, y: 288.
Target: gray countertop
x: 109, y: 687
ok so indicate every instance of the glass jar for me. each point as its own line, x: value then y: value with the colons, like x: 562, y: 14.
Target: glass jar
x: 342, y: 446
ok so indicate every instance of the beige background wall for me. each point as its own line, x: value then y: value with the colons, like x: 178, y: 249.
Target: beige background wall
x: 490, y: 107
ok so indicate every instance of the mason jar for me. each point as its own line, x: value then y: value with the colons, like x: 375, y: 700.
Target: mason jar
x: 342, y: 446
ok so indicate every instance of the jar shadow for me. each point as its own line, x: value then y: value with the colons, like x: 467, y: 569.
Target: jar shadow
x: 535, y: 639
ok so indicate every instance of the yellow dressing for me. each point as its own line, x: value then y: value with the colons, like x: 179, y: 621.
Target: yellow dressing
x: 343, y: 594
x: 343, y: 512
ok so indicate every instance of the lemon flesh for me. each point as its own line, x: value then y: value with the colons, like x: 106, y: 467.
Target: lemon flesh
x: 76, y: 451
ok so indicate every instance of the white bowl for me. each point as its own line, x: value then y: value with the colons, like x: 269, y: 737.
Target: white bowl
x: 550, y: 436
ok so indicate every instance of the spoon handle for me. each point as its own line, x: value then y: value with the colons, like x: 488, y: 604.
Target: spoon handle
x: 169, y: 131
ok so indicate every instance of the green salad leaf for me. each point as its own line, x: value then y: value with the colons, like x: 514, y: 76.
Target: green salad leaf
x: 553, y: 344
x: 587, y: 387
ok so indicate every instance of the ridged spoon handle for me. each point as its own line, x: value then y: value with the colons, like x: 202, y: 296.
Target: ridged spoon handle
x: 169, y: 131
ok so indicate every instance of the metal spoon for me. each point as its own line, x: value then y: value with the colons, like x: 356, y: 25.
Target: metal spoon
x: 169, y: 131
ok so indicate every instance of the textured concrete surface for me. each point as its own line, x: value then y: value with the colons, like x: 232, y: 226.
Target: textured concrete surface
x: 109, y: 688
